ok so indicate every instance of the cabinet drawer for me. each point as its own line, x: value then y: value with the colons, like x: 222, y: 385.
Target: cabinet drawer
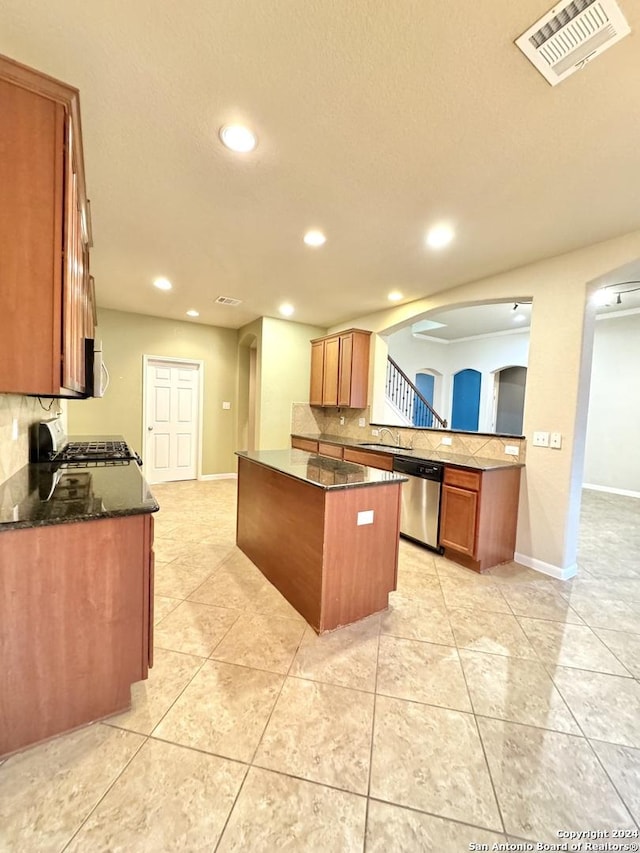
x: 304, y: 444
x: 375, y: 460
x: 462, y: 479
x: 333, y: 450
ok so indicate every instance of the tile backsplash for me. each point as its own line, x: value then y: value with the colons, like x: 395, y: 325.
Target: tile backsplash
x: 313, y: 420
x: 14, y: 452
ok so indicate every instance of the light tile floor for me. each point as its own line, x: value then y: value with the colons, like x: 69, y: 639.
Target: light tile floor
x: 478, y: 710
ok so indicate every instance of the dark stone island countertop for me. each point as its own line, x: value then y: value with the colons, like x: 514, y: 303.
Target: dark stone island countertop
x: 459, y: 460
x: 322, y: 471
x: 41, y: 493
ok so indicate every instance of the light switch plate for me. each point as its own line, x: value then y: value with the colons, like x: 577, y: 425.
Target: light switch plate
x: 541, y: 439
x: 341, y: 420
x: 361, y: 422
x: 374, y: 432
x: 446, y: 439
x: 365, y: 516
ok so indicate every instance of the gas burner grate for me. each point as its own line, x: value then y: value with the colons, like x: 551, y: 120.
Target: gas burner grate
x: 94, y: 463
x: 95, y: 449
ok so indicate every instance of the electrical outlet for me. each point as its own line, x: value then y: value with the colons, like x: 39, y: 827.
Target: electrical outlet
x: 446, y: 439
x: 15, y: 432
x: 226, y: 405
x: 541, y: 439
x: 362, y: 422
x: 341, y: 420
x: 556, y: 440
x: 365, y: 516
x: 375, y: 432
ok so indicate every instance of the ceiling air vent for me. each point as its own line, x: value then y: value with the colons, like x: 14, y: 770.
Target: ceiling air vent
x: 227, y: 300
x: 570, y: 35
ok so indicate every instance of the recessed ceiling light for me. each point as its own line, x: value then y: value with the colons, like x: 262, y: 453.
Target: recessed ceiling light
x: 314, y: 238
x: 394, y: 296
x: 439, y: 236
x: 238, y: 138
x: 162, y: 284
x: 193, y: 313
x: 286, y: 309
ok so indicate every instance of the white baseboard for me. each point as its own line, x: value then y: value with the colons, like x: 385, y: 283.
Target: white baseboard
x: 218, y: 477
x: 546, y: 568
x: 627, y: 493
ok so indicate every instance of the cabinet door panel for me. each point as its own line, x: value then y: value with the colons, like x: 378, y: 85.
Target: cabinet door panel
x: 331, y: 371
x: 31, y: 189
x: 346, y: 356
x: 458, y: 519
x: 317, y: 373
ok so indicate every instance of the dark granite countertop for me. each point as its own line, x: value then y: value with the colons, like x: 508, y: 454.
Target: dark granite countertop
x: 321, y: 471
x: 43, y: 493
x: 459, y: 460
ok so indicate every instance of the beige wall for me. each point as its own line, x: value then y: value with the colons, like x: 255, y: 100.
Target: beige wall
x: 126, y: 338
x: 557, y: 383
x: 285, y: 372
x: 249, y: 349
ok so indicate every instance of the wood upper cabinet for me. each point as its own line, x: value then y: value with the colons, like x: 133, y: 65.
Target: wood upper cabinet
x: 44, y: 237
x: 340, y: 370
x: 478, y: 515
x: 317, y: 372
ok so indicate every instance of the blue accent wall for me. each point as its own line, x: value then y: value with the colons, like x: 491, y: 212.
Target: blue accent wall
x: 465, y: 410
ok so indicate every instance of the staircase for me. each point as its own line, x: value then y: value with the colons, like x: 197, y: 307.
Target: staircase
x: 403, y: 394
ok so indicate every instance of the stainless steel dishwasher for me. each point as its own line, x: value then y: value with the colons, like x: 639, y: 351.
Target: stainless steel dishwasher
x: 420, y: 515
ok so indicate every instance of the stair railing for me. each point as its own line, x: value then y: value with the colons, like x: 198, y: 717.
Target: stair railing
x: 408, y: 400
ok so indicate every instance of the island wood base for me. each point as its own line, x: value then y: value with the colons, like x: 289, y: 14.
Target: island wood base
x: 75, y: 624
x: 307, y: 542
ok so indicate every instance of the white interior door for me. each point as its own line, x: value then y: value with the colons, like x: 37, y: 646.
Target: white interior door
x: 172, y: 403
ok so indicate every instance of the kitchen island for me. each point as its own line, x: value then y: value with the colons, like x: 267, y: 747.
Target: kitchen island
x: 76, y: 593
x: 324, y: 532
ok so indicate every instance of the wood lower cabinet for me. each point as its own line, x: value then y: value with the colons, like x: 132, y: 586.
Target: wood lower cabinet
x: 335, y: 451
x: 76, y: 623
x: 478, y: 516
x: 340, y: 370
x: 308, y: 444
x: 366, y: 457
x: 44, y: 237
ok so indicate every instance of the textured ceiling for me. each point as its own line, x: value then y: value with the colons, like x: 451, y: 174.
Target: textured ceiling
x: 374, y: 119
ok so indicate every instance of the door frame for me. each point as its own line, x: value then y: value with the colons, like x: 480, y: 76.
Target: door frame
x: 199, y: 364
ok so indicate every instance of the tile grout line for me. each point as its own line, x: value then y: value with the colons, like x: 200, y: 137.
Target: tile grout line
x: 106, y: 791
x: 484, y: 752
x: 373, y: 729
x: 610, y: 778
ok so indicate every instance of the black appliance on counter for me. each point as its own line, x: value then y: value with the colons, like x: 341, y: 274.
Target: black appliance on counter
x: 50, y: 443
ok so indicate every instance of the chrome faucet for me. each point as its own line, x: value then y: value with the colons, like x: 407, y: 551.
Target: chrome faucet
x: 395, y: 438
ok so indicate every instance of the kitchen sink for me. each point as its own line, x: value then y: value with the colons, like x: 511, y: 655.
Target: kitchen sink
x: 390, y: 448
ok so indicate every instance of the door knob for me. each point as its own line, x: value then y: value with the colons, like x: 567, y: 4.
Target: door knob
x: 150, y: 428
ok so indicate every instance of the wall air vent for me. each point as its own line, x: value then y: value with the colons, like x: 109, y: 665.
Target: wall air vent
x: 570, y: 35
x: 227, y: 300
